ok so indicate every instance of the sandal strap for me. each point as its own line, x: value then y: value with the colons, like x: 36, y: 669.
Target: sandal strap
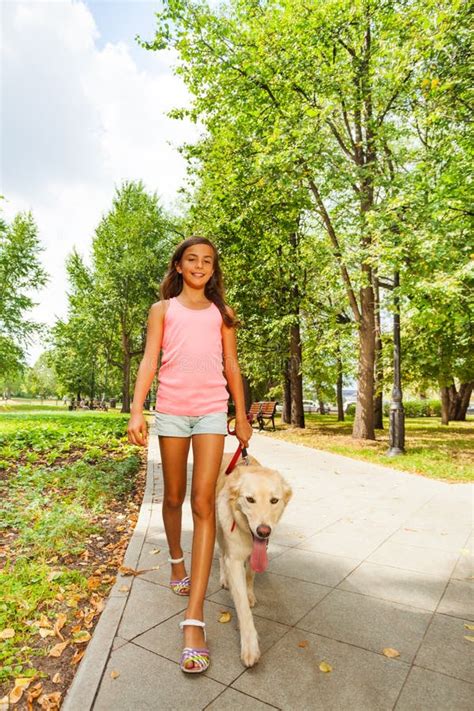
x: 175, y: 560
x: 193, y: 623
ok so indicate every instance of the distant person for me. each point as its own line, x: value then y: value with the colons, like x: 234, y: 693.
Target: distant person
x: 196, y: 330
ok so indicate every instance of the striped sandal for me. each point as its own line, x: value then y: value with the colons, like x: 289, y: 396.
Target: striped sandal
x: 194, y: 660
x: 180, y: 587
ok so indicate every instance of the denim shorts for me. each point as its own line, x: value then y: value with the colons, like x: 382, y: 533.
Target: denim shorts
x: 188, y: 425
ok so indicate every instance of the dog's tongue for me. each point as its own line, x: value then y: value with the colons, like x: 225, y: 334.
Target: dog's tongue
x: 259, y: 559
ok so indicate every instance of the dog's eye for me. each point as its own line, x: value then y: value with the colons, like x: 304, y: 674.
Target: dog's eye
x: 274, y: 501
x: 250, y: 499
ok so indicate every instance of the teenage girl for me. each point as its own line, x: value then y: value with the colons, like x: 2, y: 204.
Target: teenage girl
x: 196, y: 330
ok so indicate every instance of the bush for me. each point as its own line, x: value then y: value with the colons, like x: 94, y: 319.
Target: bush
x: 418, y: 408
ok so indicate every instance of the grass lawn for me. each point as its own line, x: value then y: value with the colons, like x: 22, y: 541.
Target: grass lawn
x: 432, y: 449
x: 71, y: 487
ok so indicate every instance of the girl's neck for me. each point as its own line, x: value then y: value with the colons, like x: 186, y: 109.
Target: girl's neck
x: 192, y: 297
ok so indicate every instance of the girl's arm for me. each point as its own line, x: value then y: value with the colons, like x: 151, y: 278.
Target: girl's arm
x: 243, y: 429
x: 137, y: 429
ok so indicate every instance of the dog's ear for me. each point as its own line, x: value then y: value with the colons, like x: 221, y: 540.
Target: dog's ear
x: 287, y: 492
x: 233, y: 486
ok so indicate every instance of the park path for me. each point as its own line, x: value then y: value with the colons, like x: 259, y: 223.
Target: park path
x: 364, y: 558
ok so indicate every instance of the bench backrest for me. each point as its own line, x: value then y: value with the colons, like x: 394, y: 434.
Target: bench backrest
x: 263, y: 408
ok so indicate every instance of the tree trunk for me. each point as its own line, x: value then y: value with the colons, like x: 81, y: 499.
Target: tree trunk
x: 296, y: 377
x: 364, y: 417
x: 340, y: 402
x: 247, y: 393
x: 444, y: 395
x: 378, y: 399
x: 459, y: 401
x: 286, y: 410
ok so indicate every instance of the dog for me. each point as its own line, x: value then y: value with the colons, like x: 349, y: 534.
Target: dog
x: 249, y: 504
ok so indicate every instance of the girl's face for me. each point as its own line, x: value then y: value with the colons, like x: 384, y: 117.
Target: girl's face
x: 197, y: 265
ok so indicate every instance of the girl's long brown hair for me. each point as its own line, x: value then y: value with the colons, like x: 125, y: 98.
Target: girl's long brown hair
x: 172, y: 284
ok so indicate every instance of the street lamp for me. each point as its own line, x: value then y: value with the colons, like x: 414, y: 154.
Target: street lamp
x: 396, y: 434
x: 397, y: 413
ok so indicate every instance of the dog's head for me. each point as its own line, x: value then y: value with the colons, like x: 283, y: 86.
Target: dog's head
x: 261, y: 495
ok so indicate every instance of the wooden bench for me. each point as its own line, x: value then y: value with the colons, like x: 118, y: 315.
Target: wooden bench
x: 262, y: 411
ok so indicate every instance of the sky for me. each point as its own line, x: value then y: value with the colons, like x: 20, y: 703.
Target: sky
x: 83, y: 108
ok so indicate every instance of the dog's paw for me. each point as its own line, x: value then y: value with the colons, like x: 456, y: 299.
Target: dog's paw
x: 224, y: 583
x: 250, y: 651
x: 251, y: 598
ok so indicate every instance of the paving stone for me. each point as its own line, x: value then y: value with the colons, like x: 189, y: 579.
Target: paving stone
x: 347, y: 540
x: 231, y: 700
x: 288, y: 676
x: 464, y: 569
x: 443, y: 539
x: 312, y: 566
x: 284, y: 600
x: 166, y: 639
x: 421, y: 560
x: 148, y: 605
x: 369, y: 623
x: 403, y: 586
x: 426, y: 691
x: 148, y: 681
x: 445, y: 650
x: 458, y: 600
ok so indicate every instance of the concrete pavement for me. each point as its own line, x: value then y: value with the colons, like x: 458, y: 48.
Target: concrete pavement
x: 365, y: 558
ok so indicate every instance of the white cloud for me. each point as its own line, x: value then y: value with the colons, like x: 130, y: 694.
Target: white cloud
x: 77, y: 121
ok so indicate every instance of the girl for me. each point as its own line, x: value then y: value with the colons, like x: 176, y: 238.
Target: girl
x: 196, y: 330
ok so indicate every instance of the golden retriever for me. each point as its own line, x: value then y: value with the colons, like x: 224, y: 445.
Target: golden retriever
x: 249, y: 503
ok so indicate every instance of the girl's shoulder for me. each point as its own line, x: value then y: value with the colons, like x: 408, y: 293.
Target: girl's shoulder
x: 159, y: 308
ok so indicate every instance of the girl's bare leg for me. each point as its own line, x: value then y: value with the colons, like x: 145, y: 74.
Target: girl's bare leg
x: 174, y: 457
x: 207, y: 451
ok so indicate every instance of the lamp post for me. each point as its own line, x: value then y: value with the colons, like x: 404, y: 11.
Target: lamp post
x: 397, y: 413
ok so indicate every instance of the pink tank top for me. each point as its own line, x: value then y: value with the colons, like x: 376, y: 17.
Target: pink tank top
x: 191, y: 379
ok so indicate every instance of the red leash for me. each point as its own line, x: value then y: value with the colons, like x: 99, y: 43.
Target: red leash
x: 239, y: 449
x: 236, y: 456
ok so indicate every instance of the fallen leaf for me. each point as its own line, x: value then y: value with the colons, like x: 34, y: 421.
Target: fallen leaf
x: 58, y: 649
x: 35, y: 691
x: 114, y: 674
x: 44, y: 632
x: 57, y: 678
x: 78, y: 654
x: 23, y: 681
x: 7, y: 633
x: 225, y: 617
x: 61, y: 620
x: 155, y: 551
x: 468, y: 627
x: 93, y: 582
x: 127, y: 571
x: 50, y: 702
x: 303, y: 643
x: 325, y: 667
x: 15, y: 694
x: 391, y: 653
x: 124, y: 588
x: 82, y: 636
x: 469, y: 637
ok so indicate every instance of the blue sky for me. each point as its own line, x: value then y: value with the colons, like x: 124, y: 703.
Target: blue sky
x: 83, y: 109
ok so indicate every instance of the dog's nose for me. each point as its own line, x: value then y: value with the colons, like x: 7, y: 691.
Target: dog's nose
x: 263, y: 531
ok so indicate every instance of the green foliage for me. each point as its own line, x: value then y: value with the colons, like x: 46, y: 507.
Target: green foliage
x: 83, y: 464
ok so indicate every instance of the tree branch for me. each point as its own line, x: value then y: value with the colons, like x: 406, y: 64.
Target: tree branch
x: 337, y: 250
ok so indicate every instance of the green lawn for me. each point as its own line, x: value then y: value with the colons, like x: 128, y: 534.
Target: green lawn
x: 68, y: 484
x: 432, y: 449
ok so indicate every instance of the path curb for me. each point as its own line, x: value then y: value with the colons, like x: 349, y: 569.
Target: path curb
x: 82, y: 692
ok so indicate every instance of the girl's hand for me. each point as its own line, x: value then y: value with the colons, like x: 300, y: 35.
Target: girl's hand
x: 243, y: 430
x: 137, y: 430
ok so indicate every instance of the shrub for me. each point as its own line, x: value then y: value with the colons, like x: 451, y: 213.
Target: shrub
x: 418, y: 408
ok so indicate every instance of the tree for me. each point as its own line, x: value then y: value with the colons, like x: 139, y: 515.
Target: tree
x: 316, y: 89
x: 20, y: 273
